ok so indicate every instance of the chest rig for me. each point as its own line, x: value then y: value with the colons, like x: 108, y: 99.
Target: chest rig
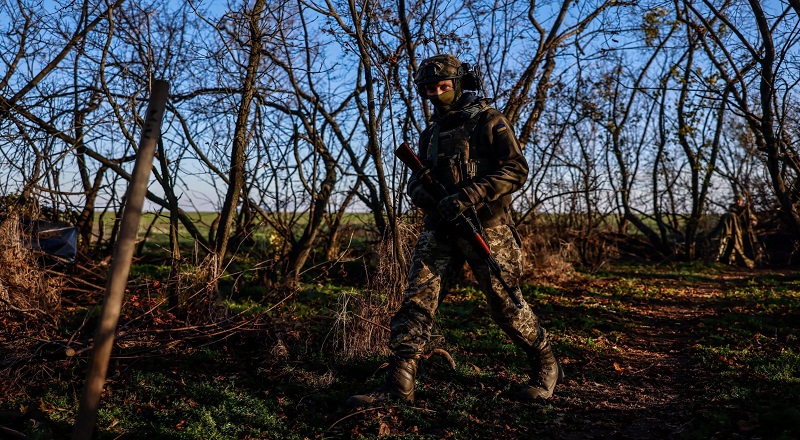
x: 452, y: 158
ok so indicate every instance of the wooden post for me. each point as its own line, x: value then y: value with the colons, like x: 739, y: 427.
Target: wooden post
x: 121, y: 264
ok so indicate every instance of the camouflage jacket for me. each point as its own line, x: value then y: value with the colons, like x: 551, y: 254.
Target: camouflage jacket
x: 477, y: 154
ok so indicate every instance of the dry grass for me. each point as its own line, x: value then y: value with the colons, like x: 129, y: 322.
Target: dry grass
x: 25, y: 287
x: 362, y: 322
x: 198, y: 291
x: 546, y: 260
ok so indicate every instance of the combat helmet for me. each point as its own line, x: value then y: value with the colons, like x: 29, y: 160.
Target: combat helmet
x: 442, y: 67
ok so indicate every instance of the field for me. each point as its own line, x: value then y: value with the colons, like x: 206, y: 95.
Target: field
x: 681, y: 351
x: 154, y: 230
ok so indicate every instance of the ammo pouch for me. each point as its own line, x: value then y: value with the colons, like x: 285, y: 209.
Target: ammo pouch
x: 456, y: 161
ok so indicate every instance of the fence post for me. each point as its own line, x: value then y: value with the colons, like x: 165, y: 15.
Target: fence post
x: 121, y: 264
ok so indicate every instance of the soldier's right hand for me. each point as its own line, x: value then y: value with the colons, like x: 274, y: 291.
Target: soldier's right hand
x: 421, y: 198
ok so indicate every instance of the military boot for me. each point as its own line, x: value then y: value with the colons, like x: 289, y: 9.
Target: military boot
x: 545, y: 371
x: 399, y: 384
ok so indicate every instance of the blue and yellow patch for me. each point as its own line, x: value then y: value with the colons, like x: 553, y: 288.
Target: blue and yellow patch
x: 500, y: 128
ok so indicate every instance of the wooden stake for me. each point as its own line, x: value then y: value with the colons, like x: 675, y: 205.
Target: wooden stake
x: 121, y: 264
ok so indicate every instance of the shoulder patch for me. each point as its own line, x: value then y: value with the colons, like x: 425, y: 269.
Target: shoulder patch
x: 500, y: 128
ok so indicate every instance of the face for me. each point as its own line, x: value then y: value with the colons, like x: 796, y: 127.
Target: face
x: 436, y: 89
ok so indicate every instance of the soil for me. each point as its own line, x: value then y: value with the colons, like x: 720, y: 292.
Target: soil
x: 644, y: 378
x: 654, y: 386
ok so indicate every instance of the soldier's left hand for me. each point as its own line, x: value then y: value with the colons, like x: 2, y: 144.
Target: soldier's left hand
x: 452, y: 206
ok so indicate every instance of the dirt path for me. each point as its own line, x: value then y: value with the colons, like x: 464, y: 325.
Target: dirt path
x: 646, y: 385
x: 655, y: 355
x: 648, y: 355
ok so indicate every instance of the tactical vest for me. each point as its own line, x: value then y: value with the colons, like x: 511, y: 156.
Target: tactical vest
x: 452, y: 157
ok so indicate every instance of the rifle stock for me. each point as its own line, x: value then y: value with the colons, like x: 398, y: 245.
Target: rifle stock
x: 408, y: 157
x: 465, y: 225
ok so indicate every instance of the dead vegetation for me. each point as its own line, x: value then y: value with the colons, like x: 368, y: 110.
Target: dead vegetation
x: 362, y: 321
x: 25, y: 287
x: 547, y: 260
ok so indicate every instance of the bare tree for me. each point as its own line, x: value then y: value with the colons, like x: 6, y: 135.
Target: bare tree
x: 254, y: 34
x: 541, y: 64
x: 755, y: 72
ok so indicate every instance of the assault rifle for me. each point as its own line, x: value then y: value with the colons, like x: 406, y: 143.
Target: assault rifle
x: 465, y: 225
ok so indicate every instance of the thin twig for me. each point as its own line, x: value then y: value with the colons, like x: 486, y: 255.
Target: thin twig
x: 372, y: 322
x: 83, y: 324
x: 279, y: 302
x: 23, y: 311
x: 354, y: 414
x: 12, y: 434
x: 374, y: 408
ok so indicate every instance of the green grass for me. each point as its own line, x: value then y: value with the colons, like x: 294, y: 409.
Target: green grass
x: 744, y: 345
x: 265, y: 240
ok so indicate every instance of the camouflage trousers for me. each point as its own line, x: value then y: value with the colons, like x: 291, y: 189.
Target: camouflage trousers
x: 436, y: 264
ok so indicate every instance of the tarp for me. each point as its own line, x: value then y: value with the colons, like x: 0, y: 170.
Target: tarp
x: 57, y: 239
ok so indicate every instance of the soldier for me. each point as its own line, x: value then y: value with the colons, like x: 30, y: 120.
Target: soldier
x: 737, y: 244
x: 470, y: 147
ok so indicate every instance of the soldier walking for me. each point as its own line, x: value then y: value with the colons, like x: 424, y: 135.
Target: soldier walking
x: 737, y: 244
x: 469, y: 147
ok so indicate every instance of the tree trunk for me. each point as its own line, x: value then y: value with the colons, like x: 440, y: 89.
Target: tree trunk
x: 776, y: 157
x: 373, y: 144
x: 335, y: 226
x: 240, y: 137
x: 301, y: 249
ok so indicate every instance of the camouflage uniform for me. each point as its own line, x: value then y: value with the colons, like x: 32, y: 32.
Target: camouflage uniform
x: 737, y: 245
x: 439, y: 254
x: 470, y: 148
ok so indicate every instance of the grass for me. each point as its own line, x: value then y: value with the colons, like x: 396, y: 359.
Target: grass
x: 264, y: 239
x: 725, y: 344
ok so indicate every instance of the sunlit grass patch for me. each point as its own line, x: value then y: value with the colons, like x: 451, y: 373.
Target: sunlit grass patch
x: 190, y: 410
x: 584, y: 344
x: 753, y: 315
x: 749, y: 366
x: 783, y: 368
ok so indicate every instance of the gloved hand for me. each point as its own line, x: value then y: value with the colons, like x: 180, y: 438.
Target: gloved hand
x: 421, y: 198
x: 453, y: 205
